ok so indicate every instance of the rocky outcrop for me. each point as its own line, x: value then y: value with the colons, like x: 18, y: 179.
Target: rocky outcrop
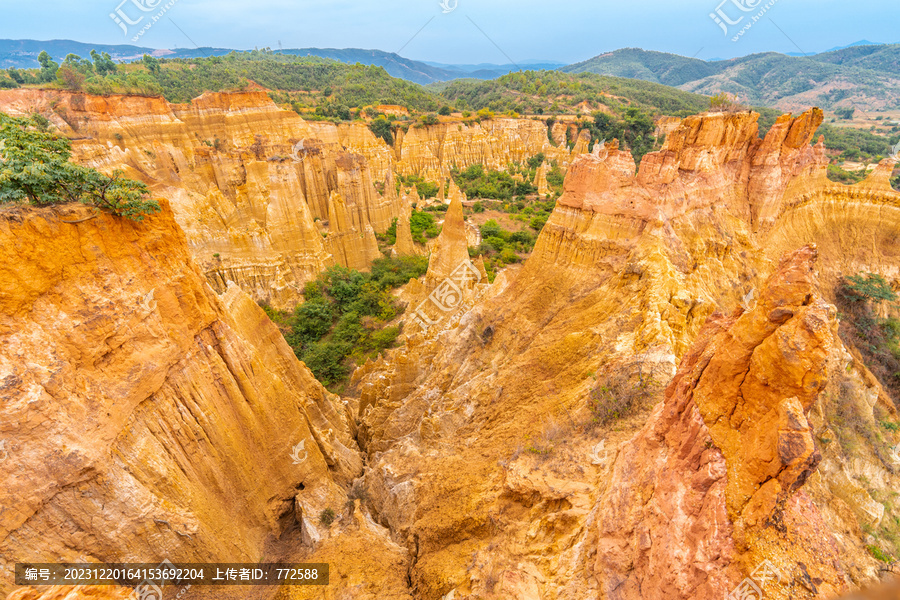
x: 144, y: 417
x: 250, y: 183
x: 247, y: 181
x: 431, y: 151
x: 540, y: 178
x: 487, y: 463
x: 353, y: 248
x: 722, y: 462
x: 653, y: 406
x: 405, y: 245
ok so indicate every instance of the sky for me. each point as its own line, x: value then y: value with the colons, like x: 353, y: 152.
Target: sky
x: 467, y: 31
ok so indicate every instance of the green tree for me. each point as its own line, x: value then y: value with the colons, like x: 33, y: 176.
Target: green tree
x: 103, y: 63
x: 16, y: 75
x: 48, y: 67
x: 444, y: 111
x: 381, y: 127
x: 152, y: 63
x: 70, y: 77
x: 312, y: 320
x: 35, y: 168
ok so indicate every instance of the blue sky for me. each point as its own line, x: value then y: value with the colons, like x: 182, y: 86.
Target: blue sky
x: 563, y: 31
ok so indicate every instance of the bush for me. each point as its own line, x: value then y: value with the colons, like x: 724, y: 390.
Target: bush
x: 312, y: 320
x: 495, y: 243
x: 617, y: 398
x: 325, y: 359
x: 444, y: 111
x: 878, y: 340
x: 381, y: 127
x: 509, y: 256
x: 536, y: 161
x: 327, y: 517
x: 869, y: 287
x: 344, y: 314
x: 26, y: 145
x: 538, y: 222
x: 493, y: 229
x: 422, y: 225
x: 392, y: 273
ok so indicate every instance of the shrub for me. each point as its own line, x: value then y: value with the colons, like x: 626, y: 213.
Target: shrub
x: 618, y: 397
x: 381, y: 127
x: 327, y: 517
x: 536, y: 161
x: 493, y: 229
x: 509, y: 256
x: 312, y: 320
x: 869, y: 287
x: 879, y: 554
x: 325, y: 359
x: 392, y: 273
x: 878, y: 340
x: 26, y: 144
x: 422, y: 225
x: 343, y: 316
x: 538, y: 222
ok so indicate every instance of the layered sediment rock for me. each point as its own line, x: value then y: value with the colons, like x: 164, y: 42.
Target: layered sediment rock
x: 145, y: 417
x: 250, y: 183
x: 722, y: 462
x: 405, y: 245
x: 431, y: 151
x: 494, y: 468
x: 485, y: 465
x: 247, y: 181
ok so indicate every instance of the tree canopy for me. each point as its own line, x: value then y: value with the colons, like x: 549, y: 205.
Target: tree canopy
x: 35, y: 169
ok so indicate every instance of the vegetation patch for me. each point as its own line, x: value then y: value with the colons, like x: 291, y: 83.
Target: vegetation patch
x: 618, y: 397
x: 501, y: 247
x: 877, y: 339
x: 344, y: 317
x: 35, y: 169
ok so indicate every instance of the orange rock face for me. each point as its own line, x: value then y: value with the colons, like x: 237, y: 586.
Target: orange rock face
x: 248, y: 182
x: 482, y: 424
x: 143, y: 416
x: 719, y: 462
x: 752, y: 437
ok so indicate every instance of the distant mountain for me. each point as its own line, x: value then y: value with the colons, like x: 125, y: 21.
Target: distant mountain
x: 23, y: 54
x: 394, y: 64
x: 859, y: 43
x: 864, y: 76
x: 634, y: 63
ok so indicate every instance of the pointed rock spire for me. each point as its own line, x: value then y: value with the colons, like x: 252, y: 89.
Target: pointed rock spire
x: 405, y: 246
x: 451, y: 248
